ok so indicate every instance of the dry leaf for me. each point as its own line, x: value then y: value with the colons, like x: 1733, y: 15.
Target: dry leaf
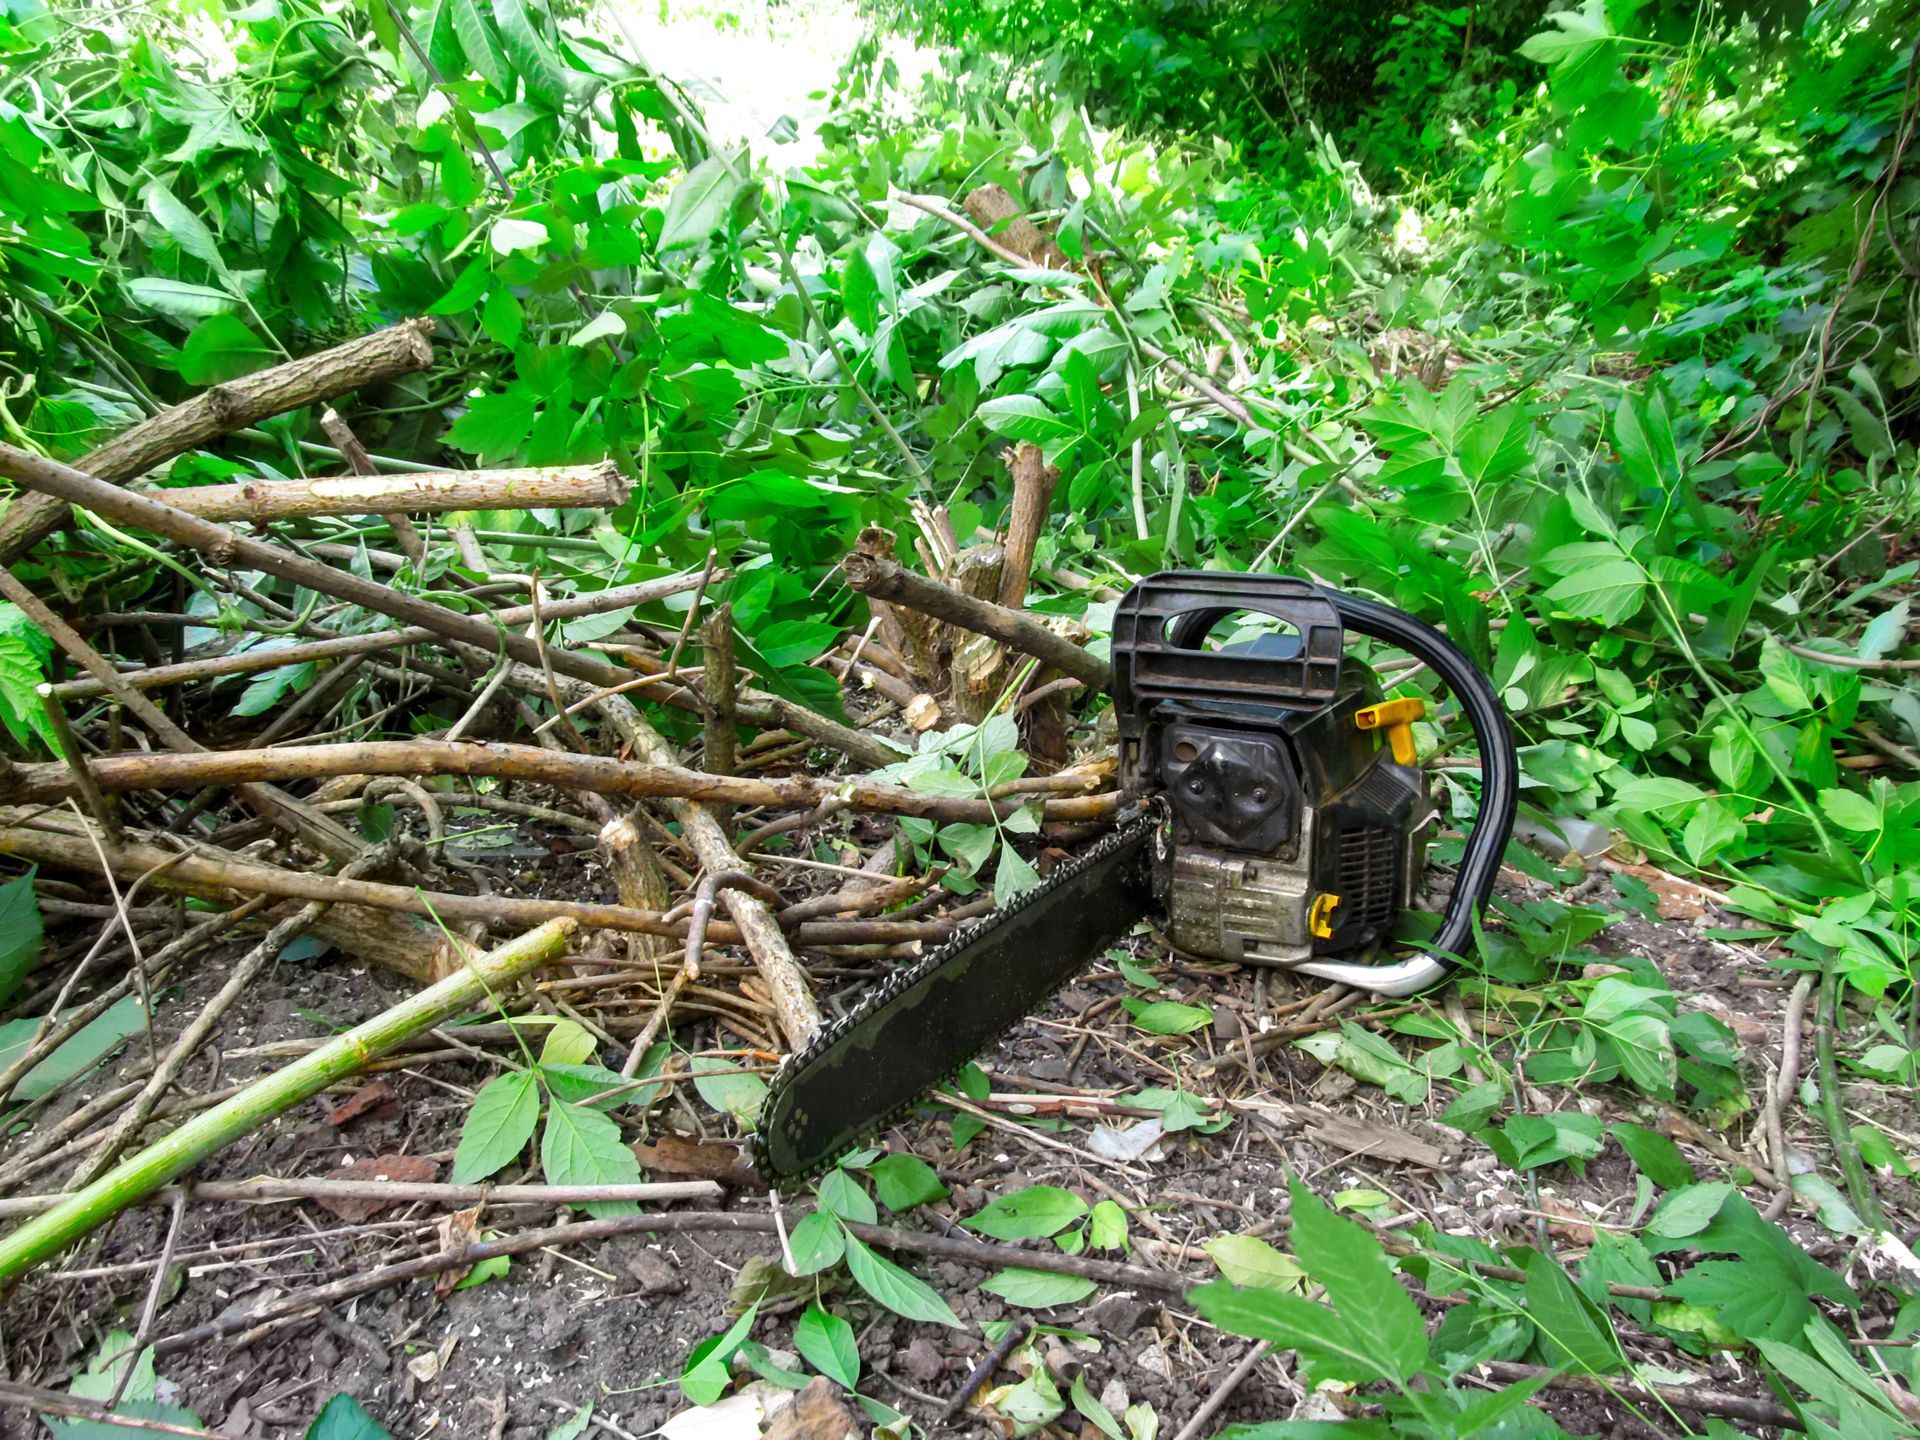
x: 374, y: 1096
x: 671, y: 1154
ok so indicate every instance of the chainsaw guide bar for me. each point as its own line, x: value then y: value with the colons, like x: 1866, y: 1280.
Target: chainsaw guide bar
x: 917, y: 1029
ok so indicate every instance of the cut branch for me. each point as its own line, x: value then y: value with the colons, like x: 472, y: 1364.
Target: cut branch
x: 370, y: 360
x: 883, y: 579
x: 50, y: 782
x: 436, y: 492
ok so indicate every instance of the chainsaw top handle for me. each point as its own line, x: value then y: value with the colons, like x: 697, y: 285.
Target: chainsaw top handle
x: 1499, y: 796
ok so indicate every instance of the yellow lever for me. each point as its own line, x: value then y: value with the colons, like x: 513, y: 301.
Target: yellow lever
x: 1396, y: 717
x: 1320, y: 917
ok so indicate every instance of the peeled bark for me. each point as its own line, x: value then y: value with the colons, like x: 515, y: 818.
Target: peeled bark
x: 435, y: 492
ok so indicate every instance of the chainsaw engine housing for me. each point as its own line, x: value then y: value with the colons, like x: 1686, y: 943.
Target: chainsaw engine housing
x: 1293, y: 830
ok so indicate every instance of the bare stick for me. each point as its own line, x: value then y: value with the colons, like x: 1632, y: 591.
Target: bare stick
x: 203, y: 1025
x: 50, y: 782
x: 875, y: 576
x: 52, y: 1402
x: 152, y: 1306
x: 248, y: 661
x: 106, y: 816
x: 407, y: 1192
x: 270, y: 804
x: 1195, y: 1427
x: 355, y: 454
x: 192, y: 1142
x: 432, y: 492
x: 983, y: 1369
x: 700, y: 916
x: 398, y: 350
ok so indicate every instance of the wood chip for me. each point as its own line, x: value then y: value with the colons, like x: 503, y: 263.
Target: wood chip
x: 1376, y: 1141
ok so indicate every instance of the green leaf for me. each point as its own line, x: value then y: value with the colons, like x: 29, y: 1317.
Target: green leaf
x: 732, y: 1092
x: 707, y: 1375
x: 1474, y: 1106
x: 482, y: 45
x: 1608, y: 591
x: 1688, y: 1211
x: 1353, y: 1267
x: 1573, y: 1333
x: 498, y: 1126
x: 1091, y: 1410
x: 607, y: 325
x: 817, y: 1243
x: 904, y: 1181
x: 699, y: 204
x: 1022, y: 417
x: 574, y: 1426
x: 186, y: 229
x: 889, y: 1285
x: 1013, y: 876
x: 344, y: 1418
x: 1851, y: 811
x: 1331, y: 1347
x: 493, y: 426
x: 80, y: 1054
x: 539, y: 67
x: 1107, y: 1226
x: 502, y: 317
x: 582, y: 1146
x: 1030, y: 1214
x: 494, y: 1267
x: 826, y: 1342
x: 842, y: 1195
x: 1658, y: 1158
x: 1167, y: 1017
x: 20, y: 932
x: 1038, y: 1289
x: 1249, y: 1261
x: 509, y: 234
x: 221, y: 347
x: 568, y: 1043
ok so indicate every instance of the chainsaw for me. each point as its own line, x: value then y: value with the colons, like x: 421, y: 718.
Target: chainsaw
x: 1273, y: 813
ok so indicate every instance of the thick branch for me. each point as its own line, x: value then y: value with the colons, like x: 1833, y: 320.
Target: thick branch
x: 52, y: 782
x: 435, y: 492
x: 881, y: 578
x: 370, y: 360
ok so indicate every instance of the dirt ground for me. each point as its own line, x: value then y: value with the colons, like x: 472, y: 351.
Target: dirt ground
x: 612, y: 1324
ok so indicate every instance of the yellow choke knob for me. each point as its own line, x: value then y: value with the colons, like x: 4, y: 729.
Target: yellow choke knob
x: 1320, y: 917
x: 1396, y: 717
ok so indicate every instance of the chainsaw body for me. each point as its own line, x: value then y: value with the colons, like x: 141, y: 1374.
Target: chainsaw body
x: 1296, y: 818
x: 1265, y: 822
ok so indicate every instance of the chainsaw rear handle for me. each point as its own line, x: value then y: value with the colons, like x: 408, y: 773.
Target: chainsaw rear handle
x: 1499, y: 796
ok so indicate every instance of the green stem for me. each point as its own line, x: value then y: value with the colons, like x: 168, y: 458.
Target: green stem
x: 1846, y: 1154
x: 139, y: 1176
